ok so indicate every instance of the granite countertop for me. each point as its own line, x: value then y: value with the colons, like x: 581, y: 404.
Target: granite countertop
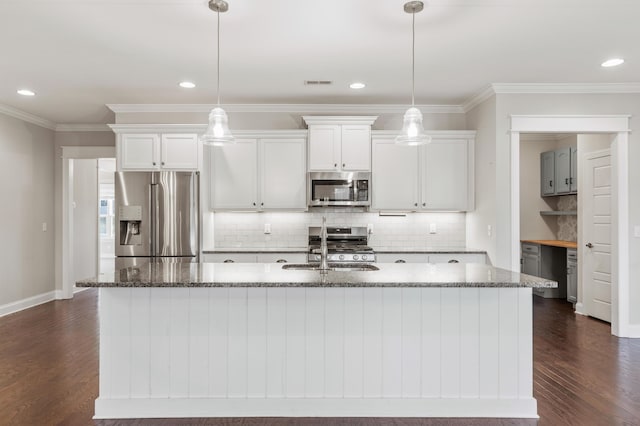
x: 256, y: 250
x: 409, y: 249
x: 553, y: 243
x: 272, y: 275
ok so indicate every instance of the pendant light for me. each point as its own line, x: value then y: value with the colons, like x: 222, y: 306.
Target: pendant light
x: 218, y: 133
x: 412, y: 130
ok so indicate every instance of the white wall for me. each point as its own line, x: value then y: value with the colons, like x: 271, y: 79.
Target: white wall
x: 85, y: 218
x: 483, y: 119
x: 70, y: 139
x: 26, y: 185
x: 533, y: 226
x: 568, y: 104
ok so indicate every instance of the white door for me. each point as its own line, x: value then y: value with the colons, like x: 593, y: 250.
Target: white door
x: 445, y: 178
x: 234, y: 178
x: 324, y: 148
x: 395, y: 176
x: 356, y: 147
x: 179, y: 152
x: 284, y: 166
x: 597, y: 235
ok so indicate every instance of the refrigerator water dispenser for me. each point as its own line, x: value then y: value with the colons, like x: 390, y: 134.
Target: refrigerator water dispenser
x: 130, y: 220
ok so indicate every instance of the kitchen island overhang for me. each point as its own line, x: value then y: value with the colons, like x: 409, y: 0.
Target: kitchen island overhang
x: 241, y: 340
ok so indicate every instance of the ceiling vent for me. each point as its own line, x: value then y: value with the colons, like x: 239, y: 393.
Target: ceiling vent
x: 317, y: 82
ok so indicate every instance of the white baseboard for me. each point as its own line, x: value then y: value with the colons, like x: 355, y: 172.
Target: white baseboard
x: 314, y: 407
x: 29, y: 302
x: 79, y: 289
x: 580, y: 309
x: 633, y: 331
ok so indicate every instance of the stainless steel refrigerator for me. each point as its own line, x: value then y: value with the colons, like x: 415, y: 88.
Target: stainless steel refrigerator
x: 157, y: 217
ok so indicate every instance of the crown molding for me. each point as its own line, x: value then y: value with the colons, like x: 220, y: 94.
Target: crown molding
x: 25, y: 116
x: 342, y: 119
x: 477, y: 99
x: 565, y: 88
x: 82, y: 128
x: 200, y: 128
x: 436, y: 134
x: 288, y: 108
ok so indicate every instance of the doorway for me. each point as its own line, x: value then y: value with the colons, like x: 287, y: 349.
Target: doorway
x: 617, y: 125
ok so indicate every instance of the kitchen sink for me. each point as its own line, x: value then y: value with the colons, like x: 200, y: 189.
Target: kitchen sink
x: 341, y: 267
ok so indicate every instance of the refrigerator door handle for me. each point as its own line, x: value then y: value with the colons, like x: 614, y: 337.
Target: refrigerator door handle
x: 154, y: 219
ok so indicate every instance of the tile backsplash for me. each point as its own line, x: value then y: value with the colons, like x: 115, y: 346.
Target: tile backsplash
x: 246, y: 230
x: 568, y: 225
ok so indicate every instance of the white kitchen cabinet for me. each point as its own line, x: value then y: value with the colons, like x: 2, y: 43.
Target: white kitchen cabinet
x: 259, y: 174
x: 458, y: 258
x: 400, y: 257
x: 260, y: 257
x: 152, y: 151
x: 434, y: 177
x: 223, y: 257
x: 395, y: 177
x: 283, y: 257
x: 339, y: 143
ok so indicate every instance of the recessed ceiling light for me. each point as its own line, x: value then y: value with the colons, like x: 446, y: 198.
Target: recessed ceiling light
x: 357, y: 85
x: 613, y: 62
x: 187, y: 85
x: 26, y: 92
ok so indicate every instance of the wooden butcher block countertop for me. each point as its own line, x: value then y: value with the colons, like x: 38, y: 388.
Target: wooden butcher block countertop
x: 554, y: 243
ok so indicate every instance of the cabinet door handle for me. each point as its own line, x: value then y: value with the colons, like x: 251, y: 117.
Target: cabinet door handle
x: 281, y: 261
x: 570, y: 180
x: 254, y: 204
x: 335, y: 164
x: 228, y: 261
x: 262, y: 204
x: 589, y: 245
x: 424, y: 204
x: 163, y: 163
x: 416, y: 204
x: 154, y: 163
x: 550, y: 183
x: 400, y: 261
x: 566, y: 181
x: 453, y: 261
x: 344, y: 165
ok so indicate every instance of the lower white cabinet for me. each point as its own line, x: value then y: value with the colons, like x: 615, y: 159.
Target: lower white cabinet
x: 271, y: 257
x: 433, y: 177
x: 431, y: 257
x: 259, y: 174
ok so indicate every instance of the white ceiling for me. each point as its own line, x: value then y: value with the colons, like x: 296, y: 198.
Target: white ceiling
x: 79, y: 55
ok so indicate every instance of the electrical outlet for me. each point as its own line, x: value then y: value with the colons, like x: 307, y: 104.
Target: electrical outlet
x: 489, y: 230
x: 636, y: 231
x: 432, y: 228
x: 44, y: 226
x: 267, y: 228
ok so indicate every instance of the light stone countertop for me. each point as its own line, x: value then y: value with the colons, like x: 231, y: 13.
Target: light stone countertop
x: 272, y: 275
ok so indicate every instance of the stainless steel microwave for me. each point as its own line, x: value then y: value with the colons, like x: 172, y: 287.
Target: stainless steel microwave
x: 347, y: 189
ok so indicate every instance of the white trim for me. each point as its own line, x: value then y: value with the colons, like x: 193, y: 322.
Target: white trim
x: 436, y: 134
x: 620, y: 196
x: 581, y: 88
x: 320, y: 407
x: 82, y: 127
x: 200, y: 128
x: 633, y: 330
x: 29, y: 302
x: 88, y: 152
x: 332, y: 119
x: 25, y: 116
x: 570, y: 123
x: 539, y: 137
x: 291, y: 108
x: 580, y: 309
x: 476, y: 100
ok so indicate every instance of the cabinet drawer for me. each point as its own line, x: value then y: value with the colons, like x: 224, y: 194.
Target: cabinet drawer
x: 457, y: 258
x: 230, y: 257
x: 530, y: 248
x: 572, y: 255
x: 282, y: 257
x: 402, y: 258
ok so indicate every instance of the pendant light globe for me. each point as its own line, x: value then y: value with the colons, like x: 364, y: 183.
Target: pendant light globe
x: 412, y: 133
x: 218, y: 133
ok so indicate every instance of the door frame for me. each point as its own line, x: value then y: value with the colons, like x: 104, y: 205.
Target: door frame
x: 581, y: 124
x: 70, y: 153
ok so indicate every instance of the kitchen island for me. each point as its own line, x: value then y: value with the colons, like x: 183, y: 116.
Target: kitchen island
x: 408, y: 340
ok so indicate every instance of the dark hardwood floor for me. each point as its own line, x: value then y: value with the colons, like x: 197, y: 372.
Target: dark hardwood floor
x: 49, y: 372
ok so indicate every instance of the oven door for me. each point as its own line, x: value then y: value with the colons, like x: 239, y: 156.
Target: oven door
x: 339, y: 189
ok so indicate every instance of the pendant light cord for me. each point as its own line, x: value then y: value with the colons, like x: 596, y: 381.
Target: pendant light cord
x: 413, y: 58
x: 218, y: 87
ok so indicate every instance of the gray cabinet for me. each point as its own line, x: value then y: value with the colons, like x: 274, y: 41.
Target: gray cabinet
x: 547, y: 262
x: 572, y: 275
x: 559, y: 172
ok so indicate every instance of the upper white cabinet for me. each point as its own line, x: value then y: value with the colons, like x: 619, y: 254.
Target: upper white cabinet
x: 339, y: 143
x: 433, y: 177
x: 257, y: 174
x: 153, y: 151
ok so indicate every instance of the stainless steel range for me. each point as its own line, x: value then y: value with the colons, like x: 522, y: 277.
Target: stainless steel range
x: 346, y: 244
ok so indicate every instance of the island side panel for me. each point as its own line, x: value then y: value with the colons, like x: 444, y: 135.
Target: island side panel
x: 315, y: 351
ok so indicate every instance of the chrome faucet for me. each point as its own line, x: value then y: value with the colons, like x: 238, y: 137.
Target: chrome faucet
x: 324, y: 251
